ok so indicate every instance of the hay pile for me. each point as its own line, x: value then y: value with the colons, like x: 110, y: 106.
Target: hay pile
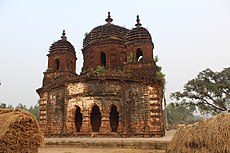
x: 207, y: 136
x: 19, y: 132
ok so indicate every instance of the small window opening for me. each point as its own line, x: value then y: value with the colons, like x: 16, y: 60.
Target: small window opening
x: 139, y: 55
x: 57, y: 64
x: 103, y: 59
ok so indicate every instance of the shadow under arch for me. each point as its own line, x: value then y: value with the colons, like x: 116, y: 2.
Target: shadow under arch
x: 103, y: 58
x: 114, y: 118
x: 95, y: 118
x: 57, y: 64
x: 78, y: 118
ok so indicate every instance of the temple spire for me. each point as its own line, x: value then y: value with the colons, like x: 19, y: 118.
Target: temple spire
x: 138, y: 22
x: 63, y: 37
x: 109, y: 19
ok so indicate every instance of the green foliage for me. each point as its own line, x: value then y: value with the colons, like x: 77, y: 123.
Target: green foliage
x: 178, y: 113
x: 100, y: 69
x: 10, y: 106
x: 210, y: 91
x: 86, y: 35
x: 49, y: 69
x: 159, y: 73
x: 130, y: 57
x: 161, y: 77
x: 158, y: 68
x: 22, y: 106
x: 35, y: 110
x: 3, y: 105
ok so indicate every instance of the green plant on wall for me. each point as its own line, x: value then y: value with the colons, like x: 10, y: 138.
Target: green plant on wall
x: 86, y: 35
x: 159, y: 73
x: 100, y: 69
x: 49, y: 69
x: 130, y: 57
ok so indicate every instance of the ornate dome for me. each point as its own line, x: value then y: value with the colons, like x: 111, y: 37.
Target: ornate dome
x: 139, y: 34
x: 106, y: 33
x: 62, y: 45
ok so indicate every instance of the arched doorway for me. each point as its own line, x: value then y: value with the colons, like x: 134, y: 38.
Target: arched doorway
x: 95, y: 118
x: 103, y: 59
x: 57, y: 64
x: 123, y: 58
x: 114, y: 118
x: 139, y: 55
x: 78, y: 118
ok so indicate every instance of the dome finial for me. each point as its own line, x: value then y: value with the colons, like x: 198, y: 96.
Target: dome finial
x: 63, y: 37
x: 138, y: 22
x: 109, y: 19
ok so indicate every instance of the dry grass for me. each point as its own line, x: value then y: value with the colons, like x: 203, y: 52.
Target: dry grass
x: 19, y: 132
x: 207, y: 136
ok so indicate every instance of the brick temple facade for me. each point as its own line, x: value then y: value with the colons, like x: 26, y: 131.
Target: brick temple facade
x: 117, y: 92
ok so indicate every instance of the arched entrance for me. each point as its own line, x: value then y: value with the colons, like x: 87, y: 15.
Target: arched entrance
x: 57, y: 64
x: 95, y: 118
x: 78, y: 118
x: 103, y: 59
x: 114, y: 118
x: 139, y: 55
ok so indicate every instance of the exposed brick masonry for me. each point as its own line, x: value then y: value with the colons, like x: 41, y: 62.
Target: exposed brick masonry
x: 123, y: 99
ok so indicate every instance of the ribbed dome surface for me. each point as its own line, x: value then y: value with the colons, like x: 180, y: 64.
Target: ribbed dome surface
x: 62, y: 45
x: 138, y: 34
x: 105, y: 34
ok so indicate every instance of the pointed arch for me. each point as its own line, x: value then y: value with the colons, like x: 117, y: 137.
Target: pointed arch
x: 95, y: 118
x: 139, y: 55
x: 57, y: 64
x: 103, y: 58
x: 114, y: 118
x: 78, y: 118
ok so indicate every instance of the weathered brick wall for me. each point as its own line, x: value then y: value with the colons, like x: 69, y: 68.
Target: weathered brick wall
x: 43, y: 110
x: 125, y: 98
x: 85, y: 96
x: 112, y: 51
x: 134, y: 101
x: 155, y: 95
x: 52, y: 111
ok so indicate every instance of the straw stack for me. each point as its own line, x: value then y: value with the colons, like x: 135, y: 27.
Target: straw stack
x: 207, y: 136
x: 19, y: 132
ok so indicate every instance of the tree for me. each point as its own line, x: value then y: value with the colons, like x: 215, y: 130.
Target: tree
x: 35, y: 110
x: 210, y: 91
x: 2, y: 105
x: 159, y: 74
x: 21, y: 106
x: 10, y: 106
x: 180, y: 113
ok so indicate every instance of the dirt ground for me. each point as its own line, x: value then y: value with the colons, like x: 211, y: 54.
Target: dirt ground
x: 65, y: 149
x: 96, y: 150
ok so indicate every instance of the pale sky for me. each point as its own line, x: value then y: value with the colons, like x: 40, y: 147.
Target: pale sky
x: 189, y: 36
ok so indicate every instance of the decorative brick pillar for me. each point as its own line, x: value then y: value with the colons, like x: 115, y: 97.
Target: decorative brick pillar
x: 105, y: 124
x: 85, y: 127
x: 120, y: 128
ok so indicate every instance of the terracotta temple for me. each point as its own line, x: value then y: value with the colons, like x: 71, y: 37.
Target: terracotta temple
x: 117, y: 94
